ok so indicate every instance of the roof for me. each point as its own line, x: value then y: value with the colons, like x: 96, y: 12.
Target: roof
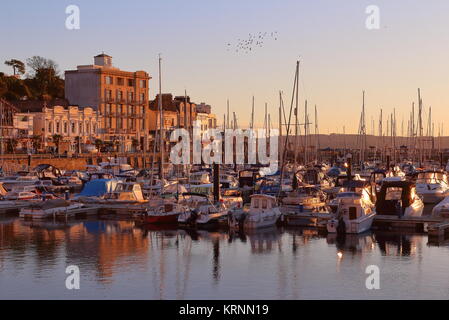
x: 261, y: 195
x: 38, y: 105
x: 102, y: 55
x: 168, y: 103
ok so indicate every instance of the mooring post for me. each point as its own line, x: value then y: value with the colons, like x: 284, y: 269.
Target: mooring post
x: 216, y: 169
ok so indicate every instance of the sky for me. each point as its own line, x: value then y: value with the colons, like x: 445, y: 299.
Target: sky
x: 339, y: 56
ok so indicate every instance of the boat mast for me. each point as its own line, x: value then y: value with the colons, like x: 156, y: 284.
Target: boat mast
x: 161, y: 119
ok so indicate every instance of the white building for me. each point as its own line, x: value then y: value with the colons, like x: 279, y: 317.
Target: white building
x: 68, y: 123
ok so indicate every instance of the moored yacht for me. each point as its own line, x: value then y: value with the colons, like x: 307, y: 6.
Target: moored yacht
x: 263, y: 212
x: 432, y: 186
x: 355, y: 214
x: 399, y: 198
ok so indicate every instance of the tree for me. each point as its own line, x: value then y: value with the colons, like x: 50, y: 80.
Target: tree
x: 37, y: 63
x: 36, y: 141
x: 98, y: 143
x: 17, y: 66
x: 12, y: 145
x: 57, y: 141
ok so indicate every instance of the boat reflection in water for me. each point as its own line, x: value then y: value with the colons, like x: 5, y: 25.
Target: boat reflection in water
x: 118, y: 260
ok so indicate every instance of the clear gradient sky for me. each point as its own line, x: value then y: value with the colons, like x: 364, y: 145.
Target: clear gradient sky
x: 339, y: 56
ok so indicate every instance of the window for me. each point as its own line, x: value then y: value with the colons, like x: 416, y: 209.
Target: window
x: 120, y: 95
x: 143, y: 83
x: 108, y: 94
x: 352, y: 213
x: 130, y: 96
x: 58, y: 127
x: 255, y: 203
x: 73, y: 126
x: 120, y: 81
x: 80, y: 128
x: 119, y: 123
x: 108, y: 80
x: 87, y: 127
x: 108, y: 108
x: 49, y: 127
x: 142, y: 97
x: 264, y: 204
x: 393, y: 194
x: 130, y: 83
x: 65, y: 127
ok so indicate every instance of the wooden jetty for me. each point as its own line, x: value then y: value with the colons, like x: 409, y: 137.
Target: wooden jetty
x: 77, y: 213
x: 438, y: 230
x: 15, y: 208
x: 394, y: 222
x: 423, y: 224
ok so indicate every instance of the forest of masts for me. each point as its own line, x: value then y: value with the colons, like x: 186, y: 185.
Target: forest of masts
x: 299, y: 145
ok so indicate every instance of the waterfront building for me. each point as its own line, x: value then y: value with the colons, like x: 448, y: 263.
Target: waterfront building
x: 74, y: 127
x: 7, y: 111
x: 120, y: 98
x: 207, y: 119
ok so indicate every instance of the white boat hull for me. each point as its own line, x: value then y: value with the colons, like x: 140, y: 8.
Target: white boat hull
x: 352, y: 226
x: 262, y: 219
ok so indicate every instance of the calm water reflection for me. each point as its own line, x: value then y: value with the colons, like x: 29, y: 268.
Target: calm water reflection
x: 120, y: 261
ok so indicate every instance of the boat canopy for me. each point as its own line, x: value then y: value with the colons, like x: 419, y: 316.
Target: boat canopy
x: 99, y: 187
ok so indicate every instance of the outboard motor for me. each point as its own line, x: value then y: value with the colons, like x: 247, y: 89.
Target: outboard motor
x: 341, y: 228
x: 193, y: 217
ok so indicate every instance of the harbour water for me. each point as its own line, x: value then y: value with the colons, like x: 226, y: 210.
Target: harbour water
x: 118, y: 260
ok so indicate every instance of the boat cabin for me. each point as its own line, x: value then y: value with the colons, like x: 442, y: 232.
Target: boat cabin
x: 431, y: 177
x: 351, y: 206
x: 262, y: 202
x: 395, y: 196
x: 247, y: 178
x: 125, y: 191
x: 201, y: 177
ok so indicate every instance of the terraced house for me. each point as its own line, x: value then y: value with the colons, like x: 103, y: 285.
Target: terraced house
x: 120, y: 97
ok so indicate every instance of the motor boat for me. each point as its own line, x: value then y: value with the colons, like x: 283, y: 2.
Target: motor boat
x: 203, y: 212
x: 399, y: 198
x: 432, y: 186
x: 166, y: 212
x: 309, y: 198
x: 358, y: 186
x: 355, y: 214
x: 25, y: 192
x: 198, y: 178
x: 48, y: 209
x: 441, y: 210
x: 125, y: 192
x: 26, y: 180
x: 211, y: 214
x: 262, y: 213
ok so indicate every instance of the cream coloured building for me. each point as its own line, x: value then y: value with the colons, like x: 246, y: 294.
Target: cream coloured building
x: 69, y: 123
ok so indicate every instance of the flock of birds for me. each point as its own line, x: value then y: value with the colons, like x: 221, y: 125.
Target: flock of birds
x: 253, y: 42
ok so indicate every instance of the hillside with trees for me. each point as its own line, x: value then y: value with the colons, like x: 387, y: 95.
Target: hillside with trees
x: 41, y: 80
